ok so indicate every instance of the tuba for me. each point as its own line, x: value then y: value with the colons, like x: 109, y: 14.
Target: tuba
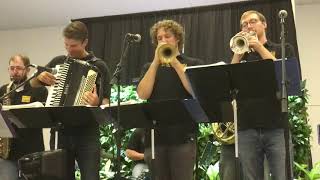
x: 5, y: 142
x: 239, y: 43
x: 224, y: 132
x: 166, y: 53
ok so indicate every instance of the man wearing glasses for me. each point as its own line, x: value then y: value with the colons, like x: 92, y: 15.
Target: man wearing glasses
x: 261, y: 129
x: 27, y: 141
x: 255, y: 23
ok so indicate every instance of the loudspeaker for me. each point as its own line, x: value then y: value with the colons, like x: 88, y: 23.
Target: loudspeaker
x: 46, y: 165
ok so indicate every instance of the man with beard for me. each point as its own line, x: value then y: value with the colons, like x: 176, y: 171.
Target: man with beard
x: 28, y: 140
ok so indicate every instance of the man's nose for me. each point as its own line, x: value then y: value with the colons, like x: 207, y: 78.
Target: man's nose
x: 250, y: 26
x: 162, y: 40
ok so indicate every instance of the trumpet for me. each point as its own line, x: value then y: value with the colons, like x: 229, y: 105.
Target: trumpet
x: 239, y: 43
x: 166, y: 53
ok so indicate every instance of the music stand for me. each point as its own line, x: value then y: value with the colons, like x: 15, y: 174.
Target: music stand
x: 291, y: 87
x: 215, y: 85
x: 293, y: 76
x: 6, y: 129
x: 159, y: 114
x: 48, y: 117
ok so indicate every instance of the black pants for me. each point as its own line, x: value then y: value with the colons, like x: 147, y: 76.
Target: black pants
x: 85, y: 149
x: 173, y: 162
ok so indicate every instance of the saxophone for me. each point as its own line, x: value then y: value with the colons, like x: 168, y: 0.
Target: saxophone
x: 5, y: 142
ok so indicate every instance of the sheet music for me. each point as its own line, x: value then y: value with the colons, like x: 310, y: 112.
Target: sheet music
x: 20, y: 106
x: 207, y: 65
x: 130, y: 102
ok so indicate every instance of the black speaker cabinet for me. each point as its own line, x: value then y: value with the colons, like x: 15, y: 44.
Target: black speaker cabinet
x: 46, y: 165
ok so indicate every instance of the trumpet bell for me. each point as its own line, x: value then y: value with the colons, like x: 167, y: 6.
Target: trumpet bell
x: 166, y: 53
x: 239, y: 44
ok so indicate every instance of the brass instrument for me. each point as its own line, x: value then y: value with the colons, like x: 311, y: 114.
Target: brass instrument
x: 166, y: 53
x: 5, y: 142
x: 4, y: 147
x: 224, y: 132
x: 239, y: 43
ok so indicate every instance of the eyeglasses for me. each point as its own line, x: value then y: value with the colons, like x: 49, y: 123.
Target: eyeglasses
x: 251, y: 22
x: 18, y: 68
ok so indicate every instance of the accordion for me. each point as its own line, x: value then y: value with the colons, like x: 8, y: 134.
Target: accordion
x: 74, y: 78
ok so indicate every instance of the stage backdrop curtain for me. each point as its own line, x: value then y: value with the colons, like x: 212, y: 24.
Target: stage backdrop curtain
x: 208, y: 32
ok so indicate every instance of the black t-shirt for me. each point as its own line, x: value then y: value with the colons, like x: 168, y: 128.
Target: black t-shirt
x: 275, y: 50
x: 28, y: 140
x: 103, y: 70
x: 136, y: 142
x: 168, y: 86
x: 262, y: 112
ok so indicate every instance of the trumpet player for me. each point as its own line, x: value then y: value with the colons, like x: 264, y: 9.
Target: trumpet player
x: 253, y: 28
x: 163, y: 79
x: 261, y: 134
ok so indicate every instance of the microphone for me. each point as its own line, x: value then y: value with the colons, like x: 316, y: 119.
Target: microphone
x: 133, y: 37
x: 283, y: 14
x: 82, y: 62
x: 42, y: 69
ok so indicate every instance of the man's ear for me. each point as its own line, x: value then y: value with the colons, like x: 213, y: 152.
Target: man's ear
x: 28, y: 70
x: 265, y: 25
x: 85, y: 42
x: 178, y: 40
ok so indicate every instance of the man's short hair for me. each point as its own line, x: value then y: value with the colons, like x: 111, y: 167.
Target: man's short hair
x: 247, y: 13
x: 168, y: 25
x: 76, y: 30
x: 25, y: 59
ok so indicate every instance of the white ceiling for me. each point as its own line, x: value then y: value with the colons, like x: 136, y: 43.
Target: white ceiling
x: 17, y: 14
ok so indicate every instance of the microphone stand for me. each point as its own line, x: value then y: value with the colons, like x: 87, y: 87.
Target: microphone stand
x: 116, y: 79
x: 284, y: 99
x: 20, y: 85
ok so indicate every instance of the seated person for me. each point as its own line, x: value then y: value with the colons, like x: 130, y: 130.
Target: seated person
x: 135, y: 152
